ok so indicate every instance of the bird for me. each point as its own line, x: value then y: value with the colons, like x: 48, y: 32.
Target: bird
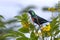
x: 36, y: 19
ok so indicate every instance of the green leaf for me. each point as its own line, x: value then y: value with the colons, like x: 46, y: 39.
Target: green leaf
x: 13, y: 34
x: 18, y: 17
x: 25, y: 17
x: 24, y: 30
x: 54, y: 21
x: 2, y: 38
x: 56, y: 38
x: 58, y: 31
x: 56, y: 27
x: 45, y: 9
x: 16, y: 33
x: 11, y: 21
x: 8, y: 35
x: 32, y: 27
x: 22, y: 38
x: 2, y: 23
x: 53, y: 24
x: 33, y: 36
x: 1, y: 16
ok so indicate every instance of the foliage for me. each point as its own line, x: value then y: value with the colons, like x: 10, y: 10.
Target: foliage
x: 54, y: 24
x: 27, y: 27
x: 4, y: 31
x: 50, y: 30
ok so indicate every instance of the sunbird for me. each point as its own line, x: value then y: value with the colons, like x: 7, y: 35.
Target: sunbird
x: 36, y: 19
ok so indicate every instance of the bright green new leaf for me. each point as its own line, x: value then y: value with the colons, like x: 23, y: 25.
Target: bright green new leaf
x: 24, y: 30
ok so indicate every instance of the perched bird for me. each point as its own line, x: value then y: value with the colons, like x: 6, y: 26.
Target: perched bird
x: 36, y: 19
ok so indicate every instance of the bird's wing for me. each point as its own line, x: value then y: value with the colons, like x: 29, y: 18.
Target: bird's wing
x: 41, y: 20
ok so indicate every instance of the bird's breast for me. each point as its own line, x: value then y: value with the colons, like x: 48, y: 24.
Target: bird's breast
x: 33, y: 19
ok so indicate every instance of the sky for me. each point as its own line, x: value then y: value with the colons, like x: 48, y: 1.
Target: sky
x: 10, y: 8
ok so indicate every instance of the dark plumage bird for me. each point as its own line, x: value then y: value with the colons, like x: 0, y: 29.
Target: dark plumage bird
x: 36, y: 19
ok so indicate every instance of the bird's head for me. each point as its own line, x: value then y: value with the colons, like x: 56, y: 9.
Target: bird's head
x: 31, y: 12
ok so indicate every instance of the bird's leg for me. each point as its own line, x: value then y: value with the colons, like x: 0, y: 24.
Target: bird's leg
x: 38, y: 24
x: 38, y: 28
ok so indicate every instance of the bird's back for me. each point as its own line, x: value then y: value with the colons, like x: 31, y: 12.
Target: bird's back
x: 39, y: 20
